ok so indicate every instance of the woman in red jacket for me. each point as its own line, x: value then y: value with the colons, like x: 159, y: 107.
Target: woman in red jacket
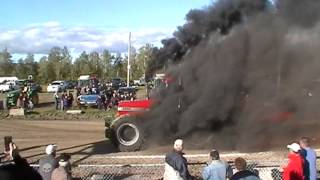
x: 294, y: 169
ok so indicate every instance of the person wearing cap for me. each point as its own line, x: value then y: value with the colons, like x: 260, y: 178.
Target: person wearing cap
x: 56, y: 99
x: 243, y: 173
x: 294, y: 169
x: 176, y: 166
x: 217, y: 169
x: 48, y: 163
x: 63, y: 172
x: 310, y: 158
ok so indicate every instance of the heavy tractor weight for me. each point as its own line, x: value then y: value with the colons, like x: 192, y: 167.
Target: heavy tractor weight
x: 125, y: 133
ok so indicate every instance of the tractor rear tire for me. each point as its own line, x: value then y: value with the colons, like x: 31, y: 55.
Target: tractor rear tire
x: 128, y: 134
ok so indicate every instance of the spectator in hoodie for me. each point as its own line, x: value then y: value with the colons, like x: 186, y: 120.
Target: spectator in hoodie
x: 294, y: 169
x: 176, y: 166
x: 48, y: 163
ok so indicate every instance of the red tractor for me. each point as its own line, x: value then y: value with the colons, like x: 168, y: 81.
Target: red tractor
x: 125, y: 131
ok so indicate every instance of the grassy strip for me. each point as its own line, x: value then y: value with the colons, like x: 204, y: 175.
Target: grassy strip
x: 51, y: 114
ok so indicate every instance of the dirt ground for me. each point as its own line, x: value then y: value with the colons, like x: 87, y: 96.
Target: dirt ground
x: 70, y: 136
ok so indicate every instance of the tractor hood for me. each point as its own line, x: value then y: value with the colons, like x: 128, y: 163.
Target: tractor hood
x: 134, y: 107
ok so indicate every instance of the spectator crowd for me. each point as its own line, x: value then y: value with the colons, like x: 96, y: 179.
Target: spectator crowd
x: 106, y: 98
x: 301, y: 165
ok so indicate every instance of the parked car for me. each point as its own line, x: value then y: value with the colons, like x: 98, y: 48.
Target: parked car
x: 116, y: 83
x: 36, y: 87
x: 71, y: 84
x: 57, y: 86
x: 127, y: 93
x: 139, y: 82
x: 90, y: 100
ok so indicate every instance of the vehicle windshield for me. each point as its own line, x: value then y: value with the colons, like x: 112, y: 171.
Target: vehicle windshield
x: 56, y: 83
x: 89, y: 97
x: 126, y: 90
x: 88, y: 82
x: 159, y: 83
x: 116, y: 81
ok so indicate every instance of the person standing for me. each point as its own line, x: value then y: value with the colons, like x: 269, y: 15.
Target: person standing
x: 217, y: 169
x: 294, y: 169
x: 48, y: 163
x: 64, y: 101
x: 243, y: 173
x: 310, y: 157
x: 176, y: 166
x: 63, y: 172
x: 56, y: 100
x: 69, y: 99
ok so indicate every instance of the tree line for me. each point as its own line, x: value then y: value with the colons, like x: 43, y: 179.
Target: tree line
x: 60, y: 65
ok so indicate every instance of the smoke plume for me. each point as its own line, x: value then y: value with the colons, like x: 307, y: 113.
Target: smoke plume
x: 246, y: 75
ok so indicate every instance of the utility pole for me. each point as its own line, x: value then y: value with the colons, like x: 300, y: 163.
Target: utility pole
x: 145, y: 66
x: 128, y: 66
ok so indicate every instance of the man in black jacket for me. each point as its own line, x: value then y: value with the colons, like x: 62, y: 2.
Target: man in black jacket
x: 20, y: 170
x: 176, y: 166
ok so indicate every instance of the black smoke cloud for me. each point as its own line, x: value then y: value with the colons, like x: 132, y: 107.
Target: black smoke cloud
x: 250, y: 75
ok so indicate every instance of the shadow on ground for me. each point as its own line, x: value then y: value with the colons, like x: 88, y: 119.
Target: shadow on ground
x: 84, y: 150
x: 97, y: 148
x: 44, y: 104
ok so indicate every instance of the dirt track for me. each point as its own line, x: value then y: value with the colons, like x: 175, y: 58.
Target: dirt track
x: 72, y: 136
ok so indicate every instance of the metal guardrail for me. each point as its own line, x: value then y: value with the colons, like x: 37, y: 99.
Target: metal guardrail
x: 268, y: 170
x: 265, y: 170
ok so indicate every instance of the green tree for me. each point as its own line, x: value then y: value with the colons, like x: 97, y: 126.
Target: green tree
x: 142, y: 60
x: 81, y: 65
x: 46, y: 72
x: 6, y: 65
x: 54, y: 60
x: 95, y: 64
x: 119, y: 67
x: 107, y: 64
x: 66, y: 64
x: 61, y: 61
x: 20, y: 69
x: 31, y: 67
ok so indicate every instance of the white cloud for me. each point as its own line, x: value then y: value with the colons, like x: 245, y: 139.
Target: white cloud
x: 40, y: 38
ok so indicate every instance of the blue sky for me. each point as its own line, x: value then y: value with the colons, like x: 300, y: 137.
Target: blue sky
x: 37, y: 25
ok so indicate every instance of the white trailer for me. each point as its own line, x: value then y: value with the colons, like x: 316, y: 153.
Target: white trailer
x: 5, y: 79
